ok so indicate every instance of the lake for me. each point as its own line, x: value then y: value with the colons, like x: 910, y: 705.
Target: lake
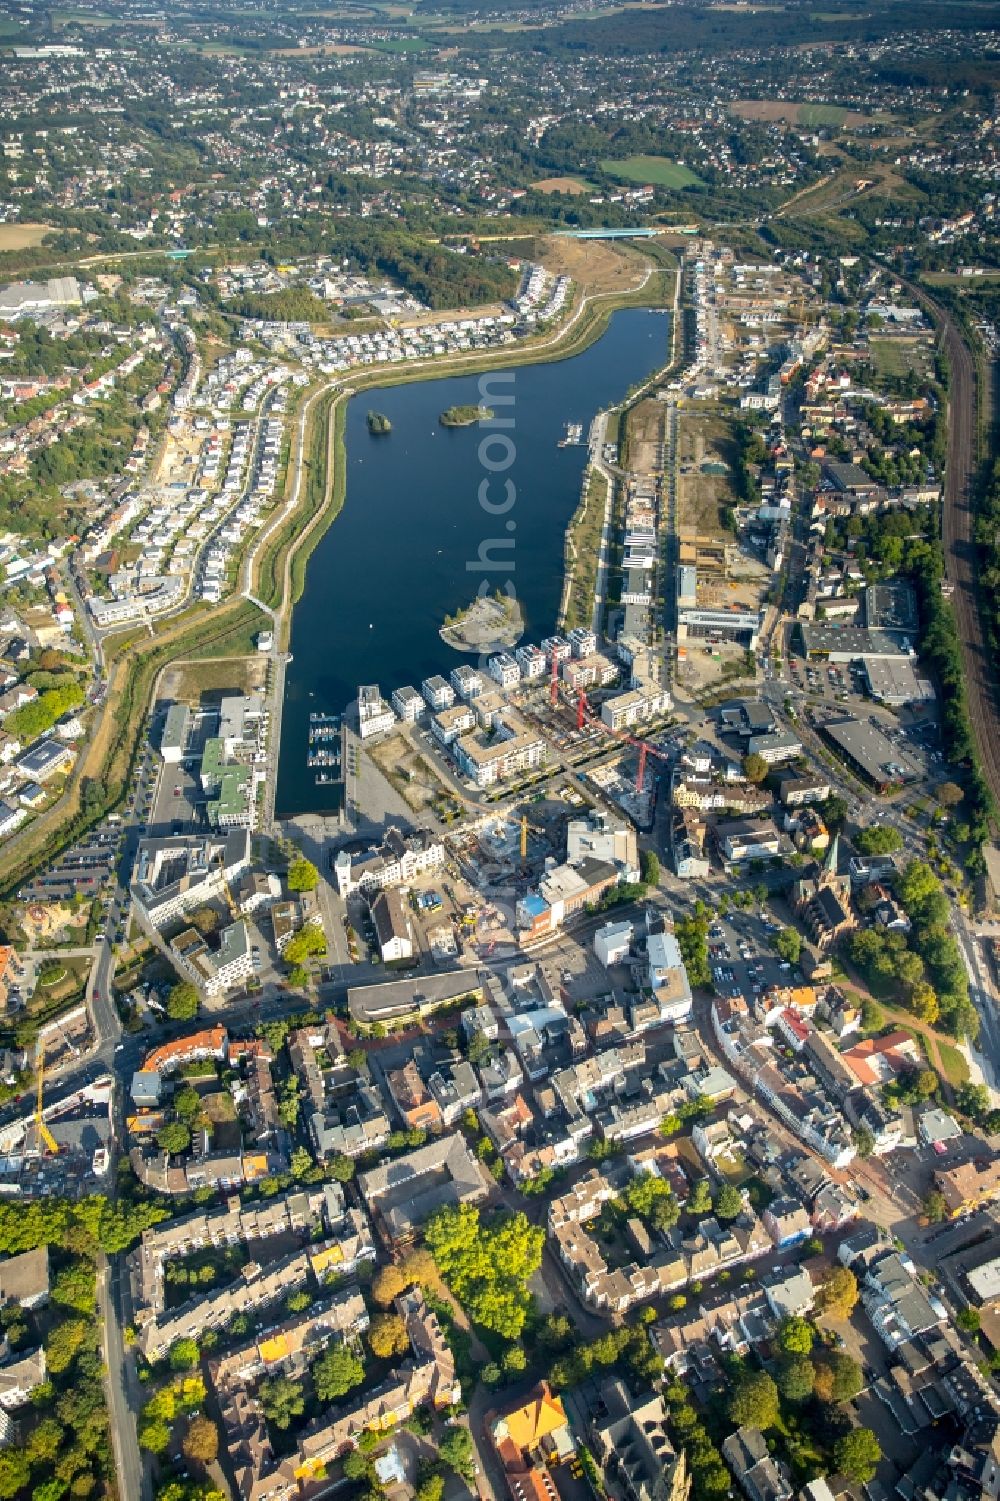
x: 432, y: 513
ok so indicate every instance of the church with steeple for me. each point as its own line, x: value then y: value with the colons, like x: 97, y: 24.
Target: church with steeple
x: 822, y: 901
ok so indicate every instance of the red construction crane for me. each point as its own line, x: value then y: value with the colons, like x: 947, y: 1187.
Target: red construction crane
x: 584, y: 713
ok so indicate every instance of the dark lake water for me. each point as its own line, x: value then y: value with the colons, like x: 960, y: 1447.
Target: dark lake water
x: 413, y: 541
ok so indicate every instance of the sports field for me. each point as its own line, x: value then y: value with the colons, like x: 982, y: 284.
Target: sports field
x: 22, y: 236
x: 571, y: 185
x: 658, y: 170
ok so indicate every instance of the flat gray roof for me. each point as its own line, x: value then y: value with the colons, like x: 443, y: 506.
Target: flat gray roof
x: 389, y: 999
x: 871, y: 751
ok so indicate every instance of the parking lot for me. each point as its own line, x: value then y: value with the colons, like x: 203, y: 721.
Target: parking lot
x: 742, y: 959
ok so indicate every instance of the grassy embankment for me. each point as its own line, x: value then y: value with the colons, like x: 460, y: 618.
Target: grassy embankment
x: 581, y: 552
x: 583, y: 535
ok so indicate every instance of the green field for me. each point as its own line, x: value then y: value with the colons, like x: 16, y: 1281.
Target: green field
x: 821, y: 114
x: 400, y: 44
x: 896, y: 357
x: 658, y: 170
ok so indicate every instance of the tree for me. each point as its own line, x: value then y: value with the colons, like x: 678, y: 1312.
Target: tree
x: 878, y: 839
x: 74, y: 1287
x: 644, y: 1191
x: 487, y: 1267
x: 755, y: 768
x: 838, y: 1377
x: 924, y: 1002
x: 835, y: 811
x: 341, y: 1168
x: 201, y: 1442
x: 174, y: 1137
x: 418, y: 1266
x: 282, y: 1400
x: 949, y: 794
x: 307, y: 942
x: 872, y: 1016
x: 857, y: 1454
x: 455, y: 1449
x: 355, y: 1465
x: 14, y: 1471
x: 479, y: 1048
x: 184, y: 1354
x: 973, y: 1100
x: 649, y: 868
x: 204, y: 919
x: 335, y: 1372
x: 62, y: 1345
x: 795, y: 1377
x: 864, y: 1141
x: 387, y: 1335
x: 665, y: 1213
x: 387, y: 1284
x: 154, y: 1435
x: 728, y: 1202
x: 967, y: 1319
x: 837, y: 1293
x: 754, y: 1403
x: 934, y: 1206
x: 44, y: 1442
x: 187, y: 1104
x: 431, y: 1489
x: 795, y: 1335
x: 300, y: 1162
x: 182, y: 1002
x: 700, y: 1198
x: 788, y: 945
x: 302, y: 875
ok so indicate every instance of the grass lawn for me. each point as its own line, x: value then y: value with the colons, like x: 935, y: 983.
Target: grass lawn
x: 956, y: 1070
x: 821, y: 114
x: 21, y: 236
x: 658, y: 170
x: 401, y: 44
x: 241, y: 642
x: 895, y: 357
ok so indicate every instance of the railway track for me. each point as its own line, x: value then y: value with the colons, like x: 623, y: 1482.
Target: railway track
x: 959, y: 547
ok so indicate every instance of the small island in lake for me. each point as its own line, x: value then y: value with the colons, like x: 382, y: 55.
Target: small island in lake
x: 464, y: 416
x: 491, y: 623
x: 378, y: 423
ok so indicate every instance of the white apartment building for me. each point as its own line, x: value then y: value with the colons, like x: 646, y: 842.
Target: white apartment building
x: 583, y: 642
x: 467, y: 683
x: 612, y: 942
x: 408, y: 704
x: 438, y: 693
x: 375, y: 717
x: 531, y: 660
x: 638, y: 706
x: 487, y: 762
x: 503, y: 669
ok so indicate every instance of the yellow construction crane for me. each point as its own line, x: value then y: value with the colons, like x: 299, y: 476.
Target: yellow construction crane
x: 234, y: 911
x: 43, y: 1130
x: 524, y: 836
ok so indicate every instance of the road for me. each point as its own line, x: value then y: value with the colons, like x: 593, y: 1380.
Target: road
x: 132, y: 1475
